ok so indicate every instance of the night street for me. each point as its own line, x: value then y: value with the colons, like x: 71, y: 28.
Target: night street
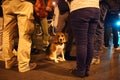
x: 77, y: 19
x: 108, y: 69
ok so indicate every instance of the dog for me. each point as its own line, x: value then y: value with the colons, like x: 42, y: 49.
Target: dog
x: 56, y: 48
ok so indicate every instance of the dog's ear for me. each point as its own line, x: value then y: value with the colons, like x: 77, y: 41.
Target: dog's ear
x: 55, y: 39
x: 65, y: 38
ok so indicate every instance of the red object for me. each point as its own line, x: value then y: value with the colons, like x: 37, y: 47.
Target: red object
x: 40, y: 9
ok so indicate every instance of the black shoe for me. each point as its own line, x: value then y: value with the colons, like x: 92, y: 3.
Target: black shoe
x: 86, y: 73
x: 34, y: 51
x: 70, y: 58
x: 80, y: 74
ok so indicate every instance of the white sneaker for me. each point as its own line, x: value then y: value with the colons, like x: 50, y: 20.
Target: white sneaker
x: 95, y: 61
x: 30, y: 67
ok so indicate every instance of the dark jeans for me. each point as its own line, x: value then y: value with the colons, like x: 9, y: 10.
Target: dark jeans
x: 69, y: 43
x: 99, y: 38
x: 107, y: 34
x: 84, y: 22
x: 115, y: 36
x: 98, y: 43
x: 110, y: 23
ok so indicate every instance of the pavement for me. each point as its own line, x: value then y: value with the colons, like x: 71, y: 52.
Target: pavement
x: 108, y: 69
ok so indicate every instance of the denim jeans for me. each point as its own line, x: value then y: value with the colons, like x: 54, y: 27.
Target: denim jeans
x: 110, y: 23
x: 99, y: 38
x: 84, y: 23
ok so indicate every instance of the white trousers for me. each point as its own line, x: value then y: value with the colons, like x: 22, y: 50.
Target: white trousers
x: 17, y: 14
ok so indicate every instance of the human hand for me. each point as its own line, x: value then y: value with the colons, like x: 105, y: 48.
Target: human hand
x: 48, y: 9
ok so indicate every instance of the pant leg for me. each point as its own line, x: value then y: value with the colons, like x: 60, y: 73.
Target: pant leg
x: 113, y: 18
x: 69, y: 42
x: 34, y: 38
x: 115, y: 30
x: 44, y: 24
x: 115, y: 36
x: 26, y: 28
x: 98, y: 40
x: 107, y: 34
x: 83, y: 33
x: 91, y: 36
x: 80, y: 30
x: 8, y: 32
x: 10, y: 26
x: 62, y: 21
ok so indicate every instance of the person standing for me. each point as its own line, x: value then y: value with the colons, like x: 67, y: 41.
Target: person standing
x: 42, y: 9
x: 64, y: 11
x: 64, y: 26
x: 110, y: 21
x: 18, y: 14
x: 99, y: 38
x: 84, y: 19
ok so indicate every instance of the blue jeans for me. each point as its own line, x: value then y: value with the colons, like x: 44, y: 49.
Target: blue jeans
x: 84, y: 23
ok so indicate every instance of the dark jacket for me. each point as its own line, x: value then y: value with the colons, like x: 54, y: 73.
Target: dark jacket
x: 114, y: 4
x: 63, y: 6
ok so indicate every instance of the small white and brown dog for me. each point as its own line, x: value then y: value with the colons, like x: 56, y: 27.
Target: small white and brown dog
x: 56, y: 48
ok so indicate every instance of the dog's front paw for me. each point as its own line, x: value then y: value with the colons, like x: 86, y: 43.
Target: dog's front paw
x: 56, y: 61
x: 64, y: 60
x: 61, y: 59
x: 50, y: 58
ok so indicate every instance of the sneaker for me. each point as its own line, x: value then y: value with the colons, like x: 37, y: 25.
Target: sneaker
x: 70, y: 58
x: 95, y: 61
x: 77, y: 73
x: 10, y: 63
x: 116, y: 49
x: 86, y: 73
x: 30, y: 67
x: 44, y: 48
x: 34, y: 51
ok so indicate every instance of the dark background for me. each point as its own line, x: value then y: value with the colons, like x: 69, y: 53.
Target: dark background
x: 0, y: 10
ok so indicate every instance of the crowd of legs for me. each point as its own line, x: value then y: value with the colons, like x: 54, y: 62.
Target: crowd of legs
x: 79, y: 30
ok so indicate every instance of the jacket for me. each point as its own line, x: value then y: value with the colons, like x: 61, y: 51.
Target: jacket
x: 63, y: 6
x: 40, y: 8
